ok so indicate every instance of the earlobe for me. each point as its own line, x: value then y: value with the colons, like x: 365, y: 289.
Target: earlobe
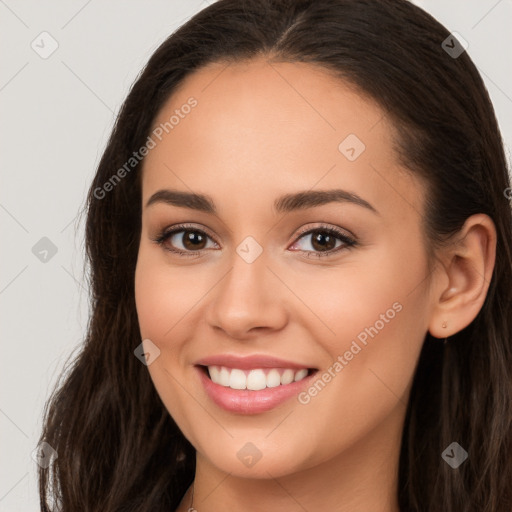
x: 468, y: 268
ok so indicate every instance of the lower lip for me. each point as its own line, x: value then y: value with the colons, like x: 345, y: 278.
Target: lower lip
x: 244, y: 401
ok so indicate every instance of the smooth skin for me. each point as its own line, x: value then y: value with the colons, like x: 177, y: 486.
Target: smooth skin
x: 261, y: 130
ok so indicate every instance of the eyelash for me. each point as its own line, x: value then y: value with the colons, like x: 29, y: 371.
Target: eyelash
x: 349, y: 242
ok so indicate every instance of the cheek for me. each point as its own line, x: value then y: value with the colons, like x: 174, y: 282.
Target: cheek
x: 162, y: 295
x: 374, y: 311
x: 161, y: 298
x: 378, y: 314
x: 372, y: 297
x: 151, y: 301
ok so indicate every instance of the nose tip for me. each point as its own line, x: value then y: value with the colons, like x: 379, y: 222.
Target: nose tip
x: 244, y: 303
x: 242, y: 326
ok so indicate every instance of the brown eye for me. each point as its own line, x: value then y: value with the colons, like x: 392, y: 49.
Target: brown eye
x: 324, y: 241
x: 184, y: 240
x: 192, y: 240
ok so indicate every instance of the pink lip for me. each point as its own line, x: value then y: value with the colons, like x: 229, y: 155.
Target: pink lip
x: 244, y: 401
x: 249, y: 362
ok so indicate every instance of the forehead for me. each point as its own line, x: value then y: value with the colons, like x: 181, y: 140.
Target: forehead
x: 262, y: 128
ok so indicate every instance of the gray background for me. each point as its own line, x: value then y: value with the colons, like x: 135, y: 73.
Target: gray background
x: 56, y: 114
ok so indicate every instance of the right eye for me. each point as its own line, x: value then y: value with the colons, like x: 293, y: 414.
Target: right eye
x: 191, y: 239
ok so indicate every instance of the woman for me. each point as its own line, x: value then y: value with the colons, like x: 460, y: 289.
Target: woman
x: 300, y: 249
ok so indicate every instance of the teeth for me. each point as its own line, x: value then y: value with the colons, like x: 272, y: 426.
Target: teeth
x: 256, y: 379
x: 224, y: 377
x: 287, y: 377
x: 301, y: 374
x: 214, y: 373
x: 237, y: 379
x: 273, y: 378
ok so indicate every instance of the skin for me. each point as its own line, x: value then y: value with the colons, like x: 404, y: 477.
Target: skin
x: 261, y: 130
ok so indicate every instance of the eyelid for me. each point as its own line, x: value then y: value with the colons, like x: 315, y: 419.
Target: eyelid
x: 326, y: 227
x: 166, y: 232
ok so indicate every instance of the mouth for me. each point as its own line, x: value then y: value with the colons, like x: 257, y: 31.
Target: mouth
x: 252, y: 390
x: 254, y: 379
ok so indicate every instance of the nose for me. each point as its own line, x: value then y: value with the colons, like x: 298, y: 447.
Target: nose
x: 248, y: 301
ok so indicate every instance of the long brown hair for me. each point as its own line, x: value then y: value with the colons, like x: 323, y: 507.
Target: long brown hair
x: 118, y: 448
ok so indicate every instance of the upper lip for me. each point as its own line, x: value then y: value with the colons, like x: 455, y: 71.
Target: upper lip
x: 249, y: 362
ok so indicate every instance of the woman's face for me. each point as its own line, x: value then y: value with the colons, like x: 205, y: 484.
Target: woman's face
x: 279, y: 150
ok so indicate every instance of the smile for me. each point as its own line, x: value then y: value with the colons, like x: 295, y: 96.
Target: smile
x: 254, y: 380
x: 251, y: 384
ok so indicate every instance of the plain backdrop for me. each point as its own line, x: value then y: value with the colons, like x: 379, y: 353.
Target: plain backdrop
x: 56, y: 112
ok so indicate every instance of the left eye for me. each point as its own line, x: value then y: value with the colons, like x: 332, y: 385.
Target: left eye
x: 324, y: 241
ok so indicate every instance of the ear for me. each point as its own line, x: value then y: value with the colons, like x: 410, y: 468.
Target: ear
x: 463, y: 281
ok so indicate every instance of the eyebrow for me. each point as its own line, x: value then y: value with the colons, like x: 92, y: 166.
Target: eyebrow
x: 287, y: 203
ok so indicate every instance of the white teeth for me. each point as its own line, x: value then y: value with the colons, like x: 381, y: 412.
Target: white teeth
x: 287, y: 377
x: 223, y: 377
x: 214, y: 373
x: 273, y: 378
x: 256, y: 379
x: 300, y: 374
x: 237, y: 379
